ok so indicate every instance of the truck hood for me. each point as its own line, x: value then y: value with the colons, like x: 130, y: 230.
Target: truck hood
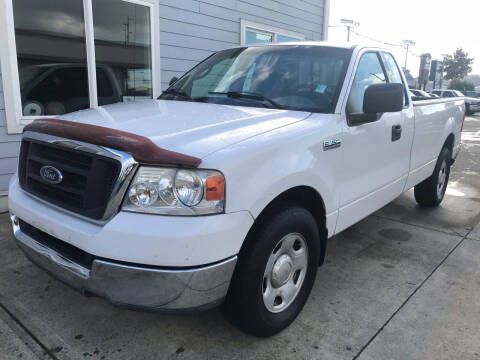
x: 195, y: 129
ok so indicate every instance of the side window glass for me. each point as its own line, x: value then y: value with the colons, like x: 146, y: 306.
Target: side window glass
x: 55, y: 94
x: 369, y: 72
x: 393, y: 72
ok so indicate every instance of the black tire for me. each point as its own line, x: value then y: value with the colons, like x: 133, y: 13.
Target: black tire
x: 428, y: 193
x: 245, y: 305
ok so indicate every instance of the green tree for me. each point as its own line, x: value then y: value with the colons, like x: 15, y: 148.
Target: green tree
x: 462, y: 85
x: 458, y: 65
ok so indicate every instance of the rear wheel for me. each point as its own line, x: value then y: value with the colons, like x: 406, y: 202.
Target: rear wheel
x: 275, y: 272
x: 431, y: 191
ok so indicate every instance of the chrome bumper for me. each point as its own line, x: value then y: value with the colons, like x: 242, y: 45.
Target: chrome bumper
x: 134, y: 286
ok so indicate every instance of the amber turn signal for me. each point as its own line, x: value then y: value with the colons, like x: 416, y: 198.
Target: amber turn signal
x: 215, y: 188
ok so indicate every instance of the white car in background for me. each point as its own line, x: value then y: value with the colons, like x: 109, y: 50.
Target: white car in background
x: 420, y: 94
x: 472, y: 105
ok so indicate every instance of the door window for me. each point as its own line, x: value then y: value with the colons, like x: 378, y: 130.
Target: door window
x: 369, y: 72
x: 393, y: 73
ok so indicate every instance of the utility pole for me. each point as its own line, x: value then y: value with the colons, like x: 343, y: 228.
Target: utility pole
x: 349, y: 24
x: 444, y: 56
x: 407, y: 44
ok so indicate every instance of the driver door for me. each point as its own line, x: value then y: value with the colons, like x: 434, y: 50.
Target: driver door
x: 376, y: 162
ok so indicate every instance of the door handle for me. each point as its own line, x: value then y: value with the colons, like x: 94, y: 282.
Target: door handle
x: 396, y: 132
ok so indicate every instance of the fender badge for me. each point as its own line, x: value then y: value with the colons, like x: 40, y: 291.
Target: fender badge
x: 331, y: 144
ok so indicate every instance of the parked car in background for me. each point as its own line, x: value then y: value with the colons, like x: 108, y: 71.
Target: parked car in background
x: 47, y: 89
x: 228, y: 186
x: 473, y: 94
x: 472, y: 105
x: 420, y: 94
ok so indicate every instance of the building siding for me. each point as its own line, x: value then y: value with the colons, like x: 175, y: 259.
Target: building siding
x: 190, y: 30
x: 193, y: 29
x: 9, y: 146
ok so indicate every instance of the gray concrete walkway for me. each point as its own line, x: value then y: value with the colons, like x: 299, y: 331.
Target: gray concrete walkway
x: 402, y: 284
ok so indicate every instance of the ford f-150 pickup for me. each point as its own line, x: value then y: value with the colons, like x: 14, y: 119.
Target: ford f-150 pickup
x: 227, y: 187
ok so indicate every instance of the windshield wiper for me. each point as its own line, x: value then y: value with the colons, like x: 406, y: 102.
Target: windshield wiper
x: 175, y: 92
x: 248, y: 95
x: 183, y: 94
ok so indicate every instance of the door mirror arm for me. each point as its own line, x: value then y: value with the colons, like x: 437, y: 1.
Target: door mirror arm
x: 362, y: 118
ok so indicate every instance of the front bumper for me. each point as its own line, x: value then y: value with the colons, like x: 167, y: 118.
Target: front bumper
x: 155, y: 240
x: 134, y: 286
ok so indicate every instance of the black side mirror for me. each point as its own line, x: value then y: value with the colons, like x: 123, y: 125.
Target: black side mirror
x: 172, y: 81
x: 382, y: 98
x: 378, y: 99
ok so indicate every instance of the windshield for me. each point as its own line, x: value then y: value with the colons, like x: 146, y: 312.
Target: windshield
x: 458, y: 93
x: 305, y: 78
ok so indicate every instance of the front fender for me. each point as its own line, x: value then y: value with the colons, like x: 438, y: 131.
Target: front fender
x: 263, y: 167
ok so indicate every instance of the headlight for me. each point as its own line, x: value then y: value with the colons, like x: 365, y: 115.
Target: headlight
x: 176, y: 192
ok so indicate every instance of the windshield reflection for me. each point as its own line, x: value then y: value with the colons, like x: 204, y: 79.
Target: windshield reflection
x: 296, y: 77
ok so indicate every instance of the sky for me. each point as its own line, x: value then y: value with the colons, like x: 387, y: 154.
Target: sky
x: 437, y: 26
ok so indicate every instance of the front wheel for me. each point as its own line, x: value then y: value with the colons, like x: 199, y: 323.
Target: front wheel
x: 275, y: 272
x: 431, y: 191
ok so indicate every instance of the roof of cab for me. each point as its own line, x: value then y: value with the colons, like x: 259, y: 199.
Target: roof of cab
x: 342, y: 45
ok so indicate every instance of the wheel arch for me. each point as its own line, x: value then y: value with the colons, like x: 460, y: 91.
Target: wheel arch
x: 449, y: 143
x: 304, y: 196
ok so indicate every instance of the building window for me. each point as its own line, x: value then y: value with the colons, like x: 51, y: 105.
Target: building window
x: 76, y: 54
x: 122, y: 51
x: 255, y: 33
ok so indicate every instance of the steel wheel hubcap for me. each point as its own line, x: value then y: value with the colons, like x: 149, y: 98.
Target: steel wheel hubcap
x: 285, y: 272
x: 442, y: 177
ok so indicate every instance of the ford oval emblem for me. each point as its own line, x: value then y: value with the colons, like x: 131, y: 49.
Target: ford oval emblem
x: 51, y: 174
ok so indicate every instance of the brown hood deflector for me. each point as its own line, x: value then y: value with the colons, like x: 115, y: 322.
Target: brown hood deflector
x: 140, y: 147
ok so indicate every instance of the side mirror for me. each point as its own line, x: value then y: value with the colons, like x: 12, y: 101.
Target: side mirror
x: 378, y: 99
x: 382, y: 98
x: 172, y: 81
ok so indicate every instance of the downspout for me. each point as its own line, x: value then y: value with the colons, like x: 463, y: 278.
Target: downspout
x: 326, y: 19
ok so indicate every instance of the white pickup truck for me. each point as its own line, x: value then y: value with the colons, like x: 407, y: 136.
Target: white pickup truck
x: 227, y: 187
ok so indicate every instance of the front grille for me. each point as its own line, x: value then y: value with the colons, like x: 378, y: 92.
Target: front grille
x: 87, y: 183
x: 68, y: 251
